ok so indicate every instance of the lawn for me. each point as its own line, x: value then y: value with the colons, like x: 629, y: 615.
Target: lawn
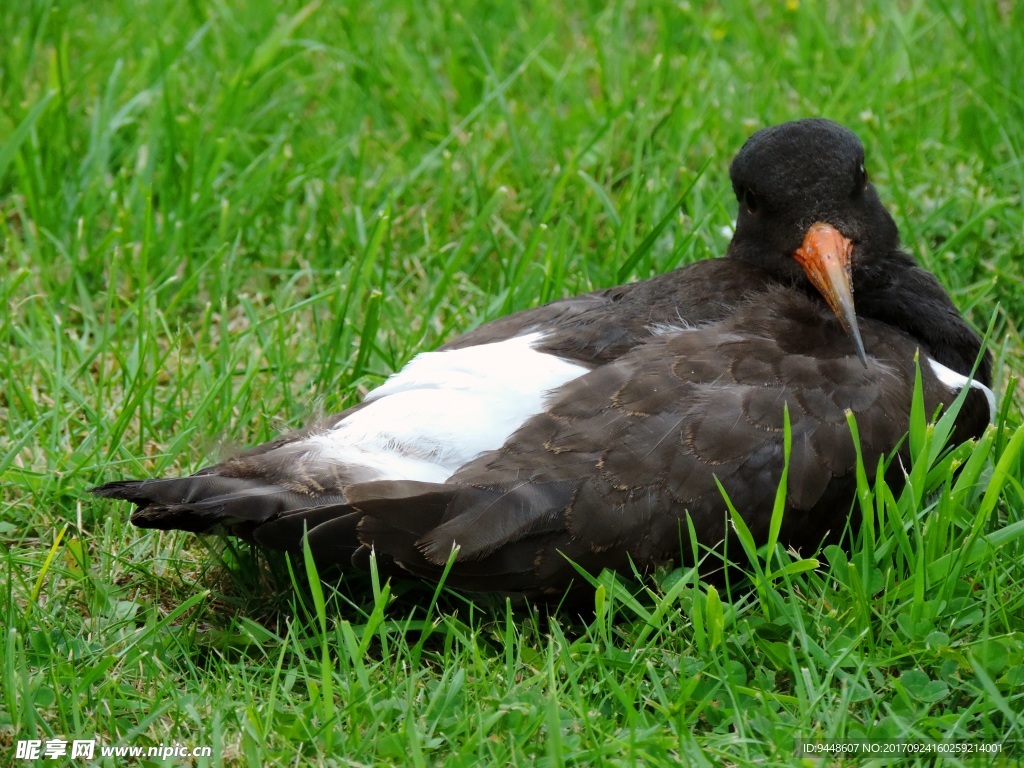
x: 221, y: 219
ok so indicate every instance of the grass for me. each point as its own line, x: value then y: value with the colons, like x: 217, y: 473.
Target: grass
x: 219, y: 219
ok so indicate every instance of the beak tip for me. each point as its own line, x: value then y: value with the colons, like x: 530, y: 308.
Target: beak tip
x: 859, y: 345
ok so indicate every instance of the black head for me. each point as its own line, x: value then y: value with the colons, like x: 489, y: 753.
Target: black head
x: 809, y: 216
x: 790, y: 176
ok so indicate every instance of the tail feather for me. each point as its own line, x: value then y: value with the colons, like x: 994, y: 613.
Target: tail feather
x: 205, y: 502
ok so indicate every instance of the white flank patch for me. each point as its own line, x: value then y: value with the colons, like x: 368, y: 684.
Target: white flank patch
x: 956, y: 381
x: 445, y: 408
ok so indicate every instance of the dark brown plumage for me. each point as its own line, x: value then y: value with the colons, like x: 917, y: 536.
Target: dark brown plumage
x: 657, y: 389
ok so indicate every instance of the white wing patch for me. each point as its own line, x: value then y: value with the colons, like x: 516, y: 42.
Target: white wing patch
x: 445, y: 408
x: 956, y: 381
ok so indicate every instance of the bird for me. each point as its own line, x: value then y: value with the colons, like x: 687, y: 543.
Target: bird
x: 605, y: 430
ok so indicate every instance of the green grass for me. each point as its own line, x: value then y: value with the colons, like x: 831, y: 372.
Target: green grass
x: 219, y: 219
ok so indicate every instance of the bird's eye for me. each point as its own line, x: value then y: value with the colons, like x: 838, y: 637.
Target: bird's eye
x: 750, y: 200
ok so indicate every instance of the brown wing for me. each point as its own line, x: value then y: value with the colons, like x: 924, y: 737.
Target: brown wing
x: 628, y: 451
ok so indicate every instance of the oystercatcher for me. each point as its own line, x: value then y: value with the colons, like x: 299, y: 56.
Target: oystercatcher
x: 590, y: 429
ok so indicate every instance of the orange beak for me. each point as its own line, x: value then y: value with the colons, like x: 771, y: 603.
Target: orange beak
x: 825, y: 257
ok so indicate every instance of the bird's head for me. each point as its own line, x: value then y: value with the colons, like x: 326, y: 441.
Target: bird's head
x: 807, y: 211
